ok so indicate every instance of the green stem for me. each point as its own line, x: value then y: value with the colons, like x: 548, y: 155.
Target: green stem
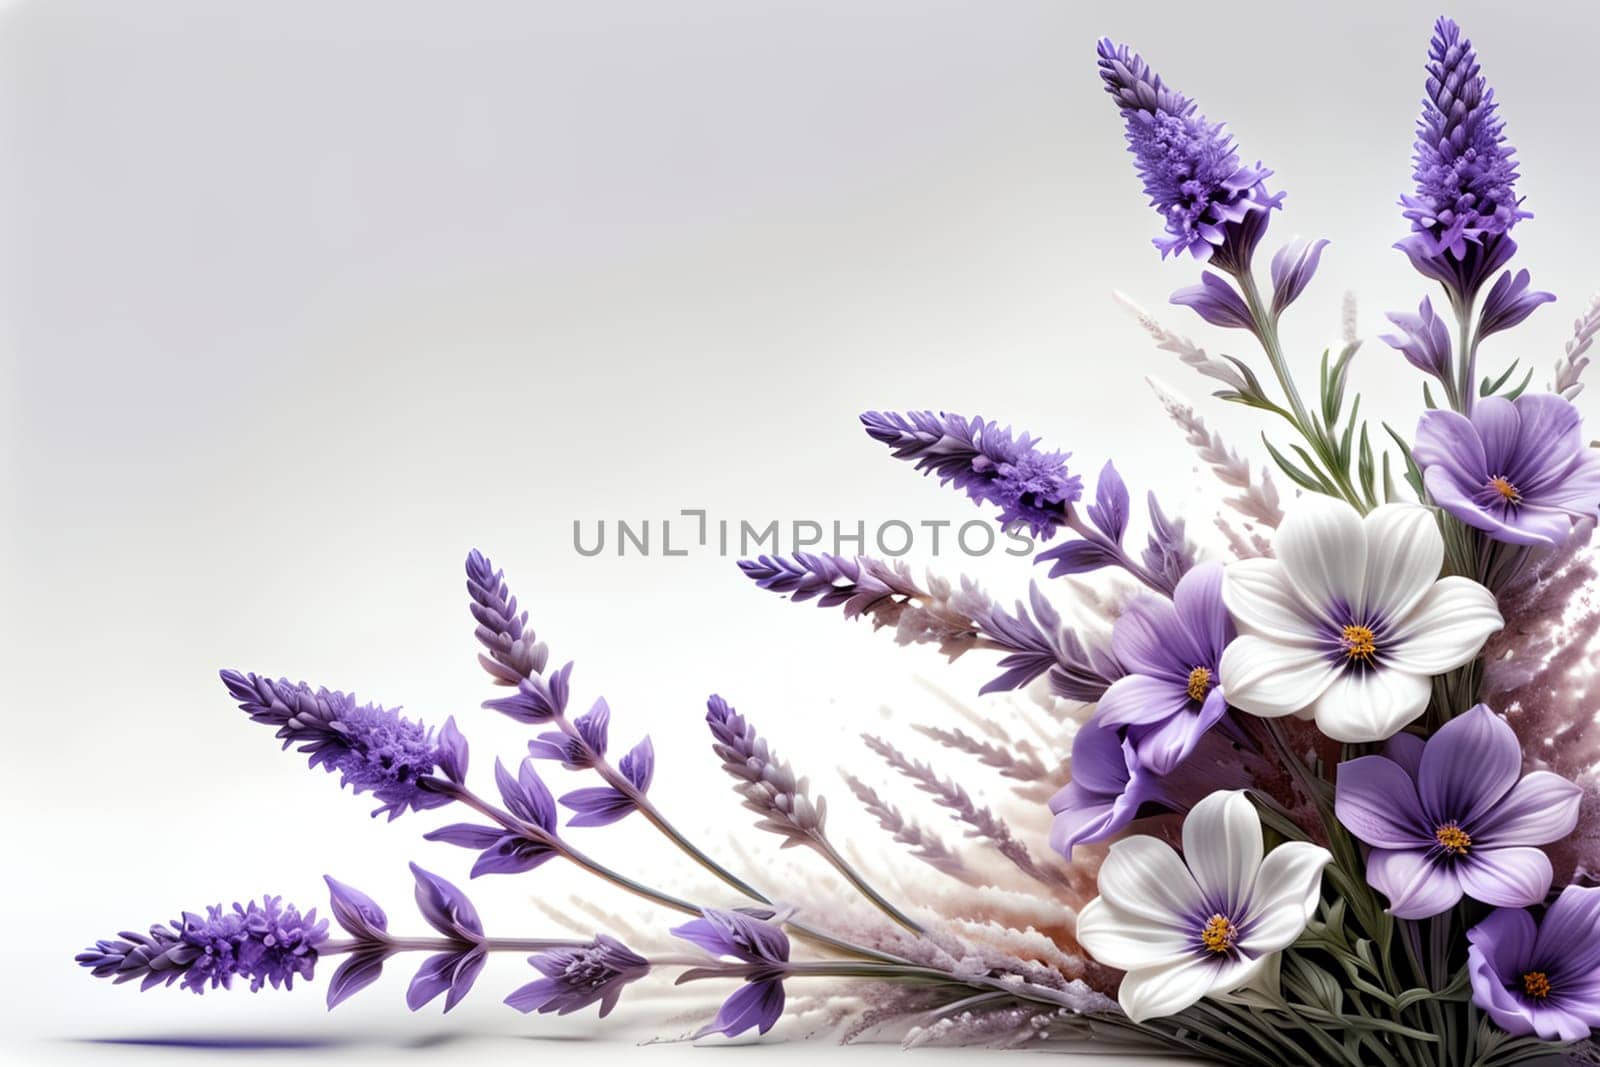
x: 1325, y: 449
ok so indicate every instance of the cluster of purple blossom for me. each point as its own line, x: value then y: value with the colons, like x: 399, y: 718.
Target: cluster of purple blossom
x: 1364, y: 866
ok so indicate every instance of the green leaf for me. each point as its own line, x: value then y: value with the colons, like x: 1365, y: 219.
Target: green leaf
x: 1295, y: 474
x: 1413, y: 472
x: 1519, y: 389
x: 1487, y: 387
x: 1366, y: 468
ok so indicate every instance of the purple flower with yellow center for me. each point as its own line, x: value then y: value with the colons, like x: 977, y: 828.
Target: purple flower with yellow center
x: 762, y: 947
x: 1171, y: 649
x: 1540, y: 977
x: 372, y: 748
x: 1215, y: 207
x: 1454, y: 816
x: 1519, y: 470
x: 575, y: 978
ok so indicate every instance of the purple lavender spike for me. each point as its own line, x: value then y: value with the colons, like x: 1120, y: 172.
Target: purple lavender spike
x: 373, y: 748
x: 265, y: 944
x: 1031, y: 487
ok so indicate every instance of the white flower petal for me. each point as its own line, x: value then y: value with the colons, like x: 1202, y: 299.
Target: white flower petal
x: 1371, y: 705
x: 1404, y: 553
x: 1259, y: 596
x: 1323, y: 548
x: 1269, y: 679
x: 1128, y: 942
x: 1222, y: 846
x: 1287, y: 890
x: 1153, y: 992
x: 1445, y: 629
x: 1145, y: 879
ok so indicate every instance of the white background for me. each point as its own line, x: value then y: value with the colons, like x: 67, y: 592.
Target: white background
x: 303, y: 300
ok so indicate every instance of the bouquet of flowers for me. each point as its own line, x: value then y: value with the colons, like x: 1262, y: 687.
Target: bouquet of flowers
x: 1330, y: 799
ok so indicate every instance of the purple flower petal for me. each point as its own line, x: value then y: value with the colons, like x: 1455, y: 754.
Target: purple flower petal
x: 1109, y: 512
x: 1160, y: 748
x: 1205, y: 619
x: 1139, y: 698
x: 1509, y: 302
x: 1416, y: 886
x: 1377, y: 801
x: 597, y: 806
x: 1292, y: 270
x: 358, y: 913
x: 445, y: 907
x: 639, y: 765
x: 755, y: 1005
x: 526, y: 795
x: 359, y: 970
x: 1217, y: 302
x: 1469, y: 764
x: 466, y: 835
x: 1514, y: 877
x: 1538, y: 810
x: 1424, y: 339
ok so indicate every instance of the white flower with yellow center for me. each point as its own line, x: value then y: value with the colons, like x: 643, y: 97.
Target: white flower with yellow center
x: 1351, y: 620
x: 1207, y: 923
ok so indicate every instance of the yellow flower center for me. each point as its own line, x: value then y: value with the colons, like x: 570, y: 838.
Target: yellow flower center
x: 1506, y: 490
x: 1359, y: 643
x: 1199, y: 683
x: 1218, y: 934
x: 1536, y: 984
x: 1453, y: 839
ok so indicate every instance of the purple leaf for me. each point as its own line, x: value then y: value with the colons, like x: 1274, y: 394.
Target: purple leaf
x: 1216, y: 301
x: 1292, y: 270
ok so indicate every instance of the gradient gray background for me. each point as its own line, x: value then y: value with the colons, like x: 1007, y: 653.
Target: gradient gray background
x: 304, y: 299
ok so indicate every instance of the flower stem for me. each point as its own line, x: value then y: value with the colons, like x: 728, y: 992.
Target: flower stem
x: 1317, y: 436
x: 1125, y: 561
x: 840, y: 864
x: 639, y: 889
x: 651, y: 813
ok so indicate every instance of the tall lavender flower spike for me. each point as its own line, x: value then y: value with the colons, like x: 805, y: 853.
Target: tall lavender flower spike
x: 763, y: 946
x: 767, y: 784
x: 506, y: 851
x: 575, y: 978
x: 1455, y: 816
x: 511, y: 651
x: 1465, y: 203
x: 1539, y: 977
x: 264, y: 944
x: 1031, y: 487
x: 1215, y: 207
x: 373, y: 748
x: 452, y: 972
x: 1033, y: 637
x: 1520, y: 470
